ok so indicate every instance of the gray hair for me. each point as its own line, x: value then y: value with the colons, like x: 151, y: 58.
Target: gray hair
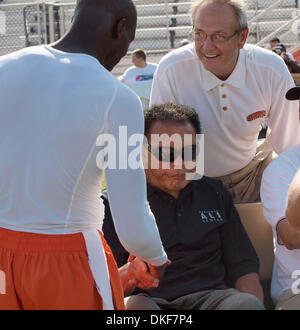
x: 237, y: 5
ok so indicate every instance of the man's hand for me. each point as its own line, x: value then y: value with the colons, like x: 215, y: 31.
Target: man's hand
x: 158, y: 271
x: 136, y: 274
x: 155, y: 271
x: 139, y: 271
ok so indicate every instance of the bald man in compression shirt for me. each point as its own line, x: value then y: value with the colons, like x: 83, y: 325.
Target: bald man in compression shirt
x: 55, y: 100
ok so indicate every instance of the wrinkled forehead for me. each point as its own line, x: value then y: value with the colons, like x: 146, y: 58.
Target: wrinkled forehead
x: 171, y: 132
x: 215, y: 17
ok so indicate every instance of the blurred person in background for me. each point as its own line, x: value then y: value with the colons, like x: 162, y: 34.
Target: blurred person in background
x: 139, y: 76
x: 289, y: 60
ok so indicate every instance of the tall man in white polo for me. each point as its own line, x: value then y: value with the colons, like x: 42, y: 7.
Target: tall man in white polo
x: 234, y: 87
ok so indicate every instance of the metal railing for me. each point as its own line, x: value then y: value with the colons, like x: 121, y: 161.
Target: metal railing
x: 162, y: 24
x: 289, y: 32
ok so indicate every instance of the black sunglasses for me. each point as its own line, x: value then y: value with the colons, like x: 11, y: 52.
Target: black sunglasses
x: 169, y: 154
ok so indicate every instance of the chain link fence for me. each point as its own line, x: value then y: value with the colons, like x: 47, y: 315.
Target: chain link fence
x: 29, y: 24
x: 12, y: 33
x: 270, y: 18
x: 162, y: 24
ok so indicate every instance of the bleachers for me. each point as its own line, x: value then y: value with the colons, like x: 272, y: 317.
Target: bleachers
x: 158, y: 34
x: 162, y: 24
x: 14, y: 37
x: 160, y: 8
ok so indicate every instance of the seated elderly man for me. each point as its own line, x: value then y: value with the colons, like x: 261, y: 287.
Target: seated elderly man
x: 213, y: 264
x: 280, y: 194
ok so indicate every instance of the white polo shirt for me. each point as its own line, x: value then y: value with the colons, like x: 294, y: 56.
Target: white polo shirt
x: 231, y: 112
x: 274, y: 190
x: 135, y: 74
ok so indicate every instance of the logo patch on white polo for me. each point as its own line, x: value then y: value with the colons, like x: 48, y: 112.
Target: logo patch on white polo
x: 256, y: 115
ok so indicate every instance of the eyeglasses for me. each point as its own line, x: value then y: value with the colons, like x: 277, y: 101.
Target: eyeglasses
x: 169, y: 154
x: 216, y: 38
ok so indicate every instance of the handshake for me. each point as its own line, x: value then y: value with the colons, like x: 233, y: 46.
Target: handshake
x: 138, y: 273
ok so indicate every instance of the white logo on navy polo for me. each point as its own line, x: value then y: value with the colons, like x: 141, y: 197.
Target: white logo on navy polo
x: 211, y: 216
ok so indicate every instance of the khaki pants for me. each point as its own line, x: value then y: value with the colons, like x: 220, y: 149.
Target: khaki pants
x: 227, y: 299
x: 288, y: 301
x: 244, y: 184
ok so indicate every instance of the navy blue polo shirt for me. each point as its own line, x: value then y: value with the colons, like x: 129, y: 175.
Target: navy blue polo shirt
x: 202, y: 234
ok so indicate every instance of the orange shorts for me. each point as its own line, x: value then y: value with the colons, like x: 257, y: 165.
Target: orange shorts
x: 40, y: 271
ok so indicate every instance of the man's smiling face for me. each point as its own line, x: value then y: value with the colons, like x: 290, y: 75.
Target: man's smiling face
x: 219, y: 57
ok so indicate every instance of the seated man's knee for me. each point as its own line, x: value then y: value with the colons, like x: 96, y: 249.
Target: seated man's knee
x: 243, y: 301
x: 140, y: 302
